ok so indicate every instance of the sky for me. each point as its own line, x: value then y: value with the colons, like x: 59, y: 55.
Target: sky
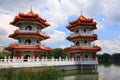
x: 59, y: 13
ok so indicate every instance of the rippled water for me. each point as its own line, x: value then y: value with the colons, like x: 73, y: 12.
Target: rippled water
x: 111, y: 72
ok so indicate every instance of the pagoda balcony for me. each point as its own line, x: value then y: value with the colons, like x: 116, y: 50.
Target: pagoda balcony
x: 82, y: 35
x: 77, y: 48
x: 32, y: 33
x: 16, y: 46
x: 87, y: 46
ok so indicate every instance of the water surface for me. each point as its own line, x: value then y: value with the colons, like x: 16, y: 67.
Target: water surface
x: 105, y: 72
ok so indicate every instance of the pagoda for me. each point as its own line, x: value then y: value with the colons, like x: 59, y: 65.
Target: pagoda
x: 83, y: 37
x: 28, y: 35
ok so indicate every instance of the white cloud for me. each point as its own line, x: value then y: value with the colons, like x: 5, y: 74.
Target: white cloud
x: 64, y: 46
x: 6, y: 29
x: 111, y: 10
x: 56, y: 37
x: 111, y: 46
x: 4, y: 24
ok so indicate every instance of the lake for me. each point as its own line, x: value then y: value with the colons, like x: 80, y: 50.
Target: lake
x: 105, y: 72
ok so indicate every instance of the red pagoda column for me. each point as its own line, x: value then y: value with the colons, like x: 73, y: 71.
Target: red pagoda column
x: 17, y: 54
x: 44, y: 55
x: 81, y: 55
x: 94, y: 55
x: 35, y: 54
x: 70, y: 55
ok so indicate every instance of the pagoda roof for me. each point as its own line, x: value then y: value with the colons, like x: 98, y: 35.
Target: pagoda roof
x: 94, y: 36
x: 83, y: 21
x: 30, y: 16
x: 15, y: 46
x: 37, y: 33
x: 73, y: 49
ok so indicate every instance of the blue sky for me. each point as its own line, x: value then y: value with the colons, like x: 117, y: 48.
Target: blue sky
x: 59, y: 13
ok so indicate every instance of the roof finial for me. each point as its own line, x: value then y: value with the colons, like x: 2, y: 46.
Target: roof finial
x: 81, y: 12
x: 31, y: 8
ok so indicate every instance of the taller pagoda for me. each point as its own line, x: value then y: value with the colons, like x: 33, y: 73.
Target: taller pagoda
x: 83, y: 37
x: 28, y: 35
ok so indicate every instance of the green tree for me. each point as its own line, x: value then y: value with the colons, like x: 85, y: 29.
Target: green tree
x: 3, y: 54
x: 99, y: 56
x: 116, y: 57
x: 58, y: 52
x: 106, y: 57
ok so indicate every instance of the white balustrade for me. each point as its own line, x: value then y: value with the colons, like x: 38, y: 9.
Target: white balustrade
x: 32, y: 62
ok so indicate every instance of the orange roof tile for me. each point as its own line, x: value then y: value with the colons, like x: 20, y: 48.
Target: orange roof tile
x: 83, y: 21
x: 30, y: 16
x: 28, y: 47
x: 71, y: 49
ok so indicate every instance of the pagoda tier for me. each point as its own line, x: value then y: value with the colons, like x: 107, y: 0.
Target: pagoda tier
x: 36, y: 47
x: 78, y: 36
x: 18, y: 34
x: 30, y: 16
x: 83, y: 38
x: 28, y: 35
x: 82, y: 48
x: 83, y: 22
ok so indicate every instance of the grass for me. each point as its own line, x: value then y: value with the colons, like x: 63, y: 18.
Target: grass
x: 29, y: 74
x: 46, y: 73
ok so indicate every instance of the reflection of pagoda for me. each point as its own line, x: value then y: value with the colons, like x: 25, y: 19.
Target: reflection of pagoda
x: 83, y: 38
x: 28, y: 35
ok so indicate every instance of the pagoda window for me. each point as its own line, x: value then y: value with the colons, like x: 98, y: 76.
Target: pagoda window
x: 37, y: 41
x: 28, y: 42
x: 86, y: 56
x: 77, y: 31
x: 77, y: 43
x: 84, y: 30
x: 19, y: 41
x: 38, y: 28
x: 85, y: 42
x: 28, y: 28
x: 91, y: 29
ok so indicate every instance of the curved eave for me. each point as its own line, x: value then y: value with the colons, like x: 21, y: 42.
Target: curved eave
x: 83, y: 21
x: 13, y: 47
x: 70, y: 49
x: 16, y: 20
x: 17, y: 33
x: 94, y: 36
x: 82, y: 24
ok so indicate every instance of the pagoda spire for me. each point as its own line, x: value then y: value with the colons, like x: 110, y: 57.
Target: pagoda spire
x: 31, y: 8
x: 81, y: 12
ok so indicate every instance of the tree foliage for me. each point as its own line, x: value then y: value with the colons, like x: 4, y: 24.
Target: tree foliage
x: 3, y: 54
x: 59, y: 52
x: 107, y: 57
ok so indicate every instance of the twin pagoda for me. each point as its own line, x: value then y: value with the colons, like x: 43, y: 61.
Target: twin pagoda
x: 29, y: 36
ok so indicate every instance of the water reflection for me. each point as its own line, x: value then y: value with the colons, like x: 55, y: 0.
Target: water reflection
x: 105, y: 72
x: 81, y: 77
x: 111, y: 72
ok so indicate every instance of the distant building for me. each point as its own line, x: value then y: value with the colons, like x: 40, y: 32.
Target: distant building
x: 2, y: 49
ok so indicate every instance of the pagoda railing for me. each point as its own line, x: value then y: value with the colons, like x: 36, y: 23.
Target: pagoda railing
x: 83, y: 34
x: 33, y: 31
x: 32, y: 62
x: 74, y: 46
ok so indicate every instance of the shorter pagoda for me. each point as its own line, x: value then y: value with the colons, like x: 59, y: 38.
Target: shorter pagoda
x: 83, y: 37
x: 28, y: 35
